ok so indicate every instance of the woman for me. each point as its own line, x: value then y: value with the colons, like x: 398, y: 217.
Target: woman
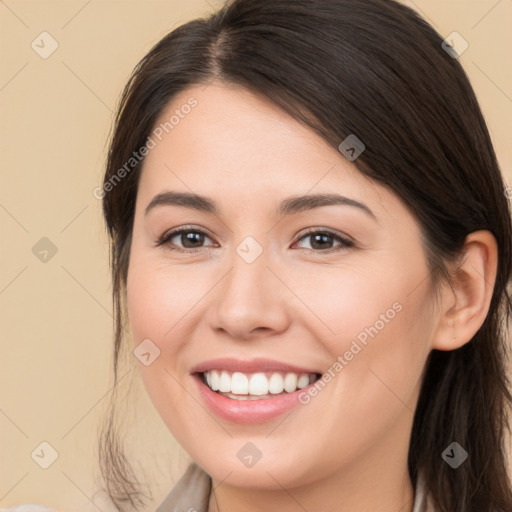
x: 311, y: 243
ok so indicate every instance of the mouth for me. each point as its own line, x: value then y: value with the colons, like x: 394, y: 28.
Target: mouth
x: 256, y: 385
x: 251, y: 392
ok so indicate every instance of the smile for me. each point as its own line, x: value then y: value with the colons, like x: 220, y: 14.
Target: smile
x: 251, y: 392
x: 256, y: 386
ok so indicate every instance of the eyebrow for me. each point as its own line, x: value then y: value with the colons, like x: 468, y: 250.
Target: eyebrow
x: 288, y: 206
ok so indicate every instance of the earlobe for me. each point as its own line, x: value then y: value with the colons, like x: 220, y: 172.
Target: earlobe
x: 466, y: 302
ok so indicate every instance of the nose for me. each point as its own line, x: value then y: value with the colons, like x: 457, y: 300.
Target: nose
x: 250, y: 300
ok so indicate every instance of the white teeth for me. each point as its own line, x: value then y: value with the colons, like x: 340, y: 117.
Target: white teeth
x: 290, y: 382
x: 239, y: 384
x: 303, y: 381
x: 225, y: 382
x: 256, y: 384
x: 275, y: 384
x: 214, y: 376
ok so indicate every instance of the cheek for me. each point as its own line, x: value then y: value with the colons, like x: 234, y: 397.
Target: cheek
x: 346, y: 303
x: 378, y: 300
x: 376, y: 367
x: 375, y: 325
x: 158, y: 301
x: 159, y: 298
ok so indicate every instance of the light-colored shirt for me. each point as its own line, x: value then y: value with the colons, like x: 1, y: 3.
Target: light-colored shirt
x: 192, y: 493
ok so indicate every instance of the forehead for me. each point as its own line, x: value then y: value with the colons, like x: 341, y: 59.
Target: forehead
x: 228, y: 142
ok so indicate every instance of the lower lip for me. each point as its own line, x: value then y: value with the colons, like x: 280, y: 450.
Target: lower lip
x: 247, y: 411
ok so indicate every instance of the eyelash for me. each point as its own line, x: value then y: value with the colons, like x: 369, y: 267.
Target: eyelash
x: 344, y: 242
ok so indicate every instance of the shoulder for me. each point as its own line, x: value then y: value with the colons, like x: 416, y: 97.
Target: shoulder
x: 190, y: 494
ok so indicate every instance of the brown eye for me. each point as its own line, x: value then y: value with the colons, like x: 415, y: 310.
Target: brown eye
x: 323, y: 241
x: 190, y: 239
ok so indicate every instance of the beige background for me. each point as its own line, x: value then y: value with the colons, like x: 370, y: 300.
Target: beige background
x: 56, y: 320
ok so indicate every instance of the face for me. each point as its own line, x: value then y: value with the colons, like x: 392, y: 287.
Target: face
x: 261, y: 294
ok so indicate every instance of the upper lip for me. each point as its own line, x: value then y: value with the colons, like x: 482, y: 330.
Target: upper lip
x: 249, y: 366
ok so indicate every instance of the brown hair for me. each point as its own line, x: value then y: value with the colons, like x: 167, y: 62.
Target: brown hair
x: 376, y: 69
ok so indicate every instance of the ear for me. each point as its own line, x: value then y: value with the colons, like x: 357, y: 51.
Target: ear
x: 465, y: 303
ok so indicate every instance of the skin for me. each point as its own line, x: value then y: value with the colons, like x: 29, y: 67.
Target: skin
x: 294, y: 303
